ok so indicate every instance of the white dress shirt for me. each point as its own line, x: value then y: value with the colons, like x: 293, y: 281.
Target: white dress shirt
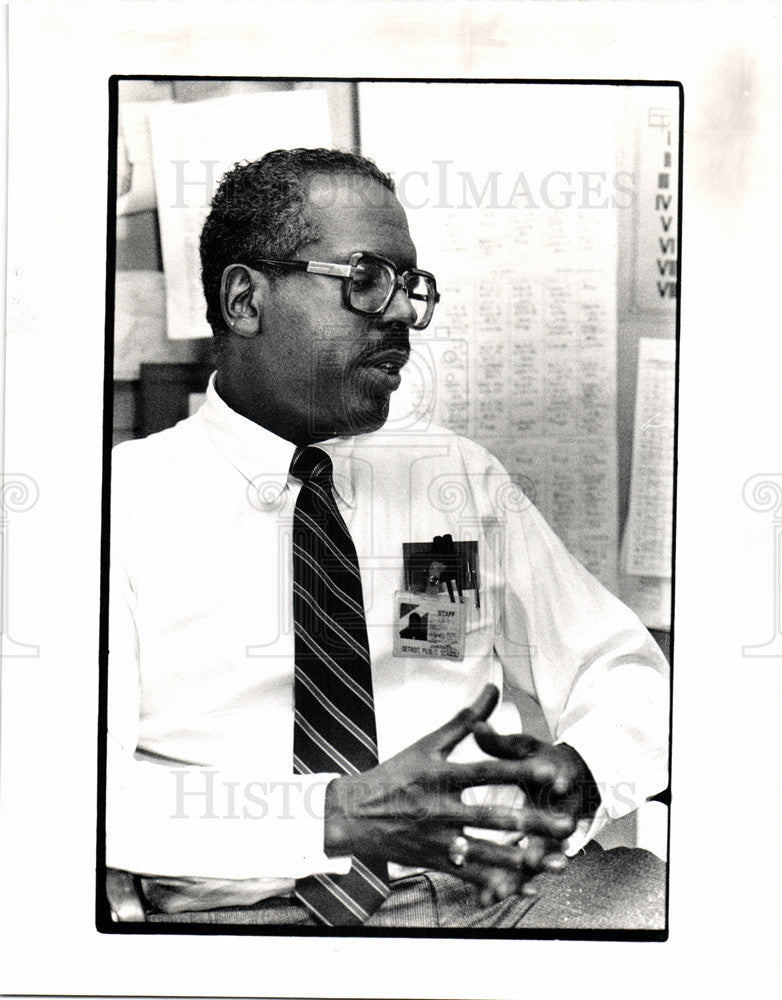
x: 200, y: 779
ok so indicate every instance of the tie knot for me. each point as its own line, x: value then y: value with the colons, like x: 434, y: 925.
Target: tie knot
x: 312, y: 464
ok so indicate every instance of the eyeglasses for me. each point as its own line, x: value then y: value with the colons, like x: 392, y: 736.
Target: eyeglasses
x: 370, y: 282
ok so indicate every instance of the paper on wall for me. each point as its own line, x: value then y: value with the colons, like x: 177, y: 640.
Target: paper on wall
x: 193, y: 145
x: 139, y: 321
x: 136, y: 179
x: 648, y: 533
x: 656, y: 259
x: 509, y: 192
x: 650, y: 598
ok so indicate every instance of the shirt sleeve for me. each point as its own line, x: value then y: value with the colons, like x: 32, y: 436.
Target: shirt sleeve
x: 165, y: 818
x: 598, y: 675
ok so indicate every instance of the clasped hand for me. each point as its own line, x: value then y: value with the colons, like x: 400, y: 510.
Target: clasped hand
x: 409, y: 809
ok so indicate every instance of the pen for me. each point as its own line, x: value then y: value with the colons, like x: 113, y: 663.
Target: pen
x: 473, y: 578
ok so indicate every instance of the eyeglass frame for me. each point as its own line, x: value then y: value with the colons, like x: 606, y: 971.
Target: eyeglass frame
x: 346, y: 273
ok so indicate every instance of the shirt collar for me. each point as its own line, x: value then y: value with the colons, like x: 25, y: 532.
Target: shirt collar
x: 263, y: 458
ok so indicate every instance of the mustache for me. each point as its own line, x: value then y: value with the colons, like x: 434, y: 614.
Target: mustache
x: 393, y: 347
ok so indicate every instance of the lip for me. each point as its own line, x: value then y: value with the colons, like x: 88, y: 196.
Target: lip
x: 386, y: 378
x: 385, y: 368
x: 390, y: 361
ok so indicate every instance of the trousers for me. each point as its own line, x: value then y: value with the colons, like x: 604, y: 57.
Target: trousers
x: 620, y: 889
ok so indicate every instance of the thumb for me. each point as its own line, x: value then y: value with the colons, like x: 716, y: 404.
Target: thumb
x: 516, y: 746
x: 446, y: 737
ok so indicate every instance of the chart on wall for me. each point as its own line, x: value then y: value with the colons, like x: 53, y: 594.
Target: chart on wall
x: 511, y: 192
x: 656, y: 259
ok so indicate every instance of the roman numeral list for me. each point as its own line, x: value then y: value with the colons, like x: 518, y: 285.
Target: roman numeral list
x: 665, y: 207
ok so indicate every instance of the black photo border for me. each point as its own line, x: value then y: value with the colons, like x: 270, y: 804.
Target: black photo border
x: 103, y: 921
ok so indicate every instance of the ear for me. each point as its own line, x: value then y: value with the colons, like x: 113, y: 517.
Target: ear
x: 241, y: 297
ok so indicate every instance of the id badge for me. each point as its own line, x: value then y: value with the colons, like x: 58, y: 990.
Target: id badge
x: 429, y: 625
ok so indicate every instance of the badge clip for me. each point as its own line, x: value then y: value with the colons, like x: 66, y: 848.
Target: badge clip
x: 456, y: 563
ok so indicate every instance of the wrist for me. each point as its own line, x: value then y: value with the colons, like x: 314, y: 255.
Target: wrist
x: 587, y: 793
x: 335, y: 820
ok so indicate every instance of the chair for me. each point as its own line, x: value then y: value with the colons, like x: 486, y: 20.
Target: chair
x: 124, y: 898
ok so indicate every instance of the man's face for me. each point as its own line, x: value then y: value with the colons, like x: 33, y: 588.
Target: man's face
x: 317, y: 369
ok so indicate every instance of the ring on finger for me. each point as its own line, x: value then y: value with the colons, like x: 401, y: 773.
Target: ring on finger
x: 458, y: 850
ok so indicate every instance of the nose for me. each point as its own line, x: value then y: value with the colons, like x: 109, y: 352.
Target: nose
x: 399, y: 310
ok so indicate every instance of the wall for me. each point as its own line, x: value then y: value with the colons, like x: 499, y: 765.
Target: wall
x: 138, y: 247
x: 138, y: 238
x: 632, y: 322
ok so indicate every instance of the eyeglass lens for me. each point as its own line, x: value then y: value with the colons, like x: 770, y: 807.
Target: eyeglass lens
x: 373, y: 280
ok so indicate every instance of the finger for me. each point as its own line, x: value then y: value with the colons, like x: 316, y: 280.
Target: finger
x: 555, y: 862
x: 447, y: 810
x: 531, y: 887
x: 521, y: 820
x: 541, y: 855
x: 446, y: 737
x: 495, y: 886
x: 486, y: 853
x: 532, y: 773
x: 535, y: 851
x: 529, y: 822
x: 496, y: 881
x: 492, y: 817
x: 513, y: 863
x: 551, y: 825
x: 516, y: 746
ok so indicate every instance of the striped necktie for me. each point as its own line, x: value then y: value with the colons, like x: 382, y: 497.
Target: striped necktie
x: 334, y: 726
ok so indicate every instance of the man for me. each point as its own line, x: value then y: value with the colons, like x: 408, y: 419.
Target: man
x: 285, y: 745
